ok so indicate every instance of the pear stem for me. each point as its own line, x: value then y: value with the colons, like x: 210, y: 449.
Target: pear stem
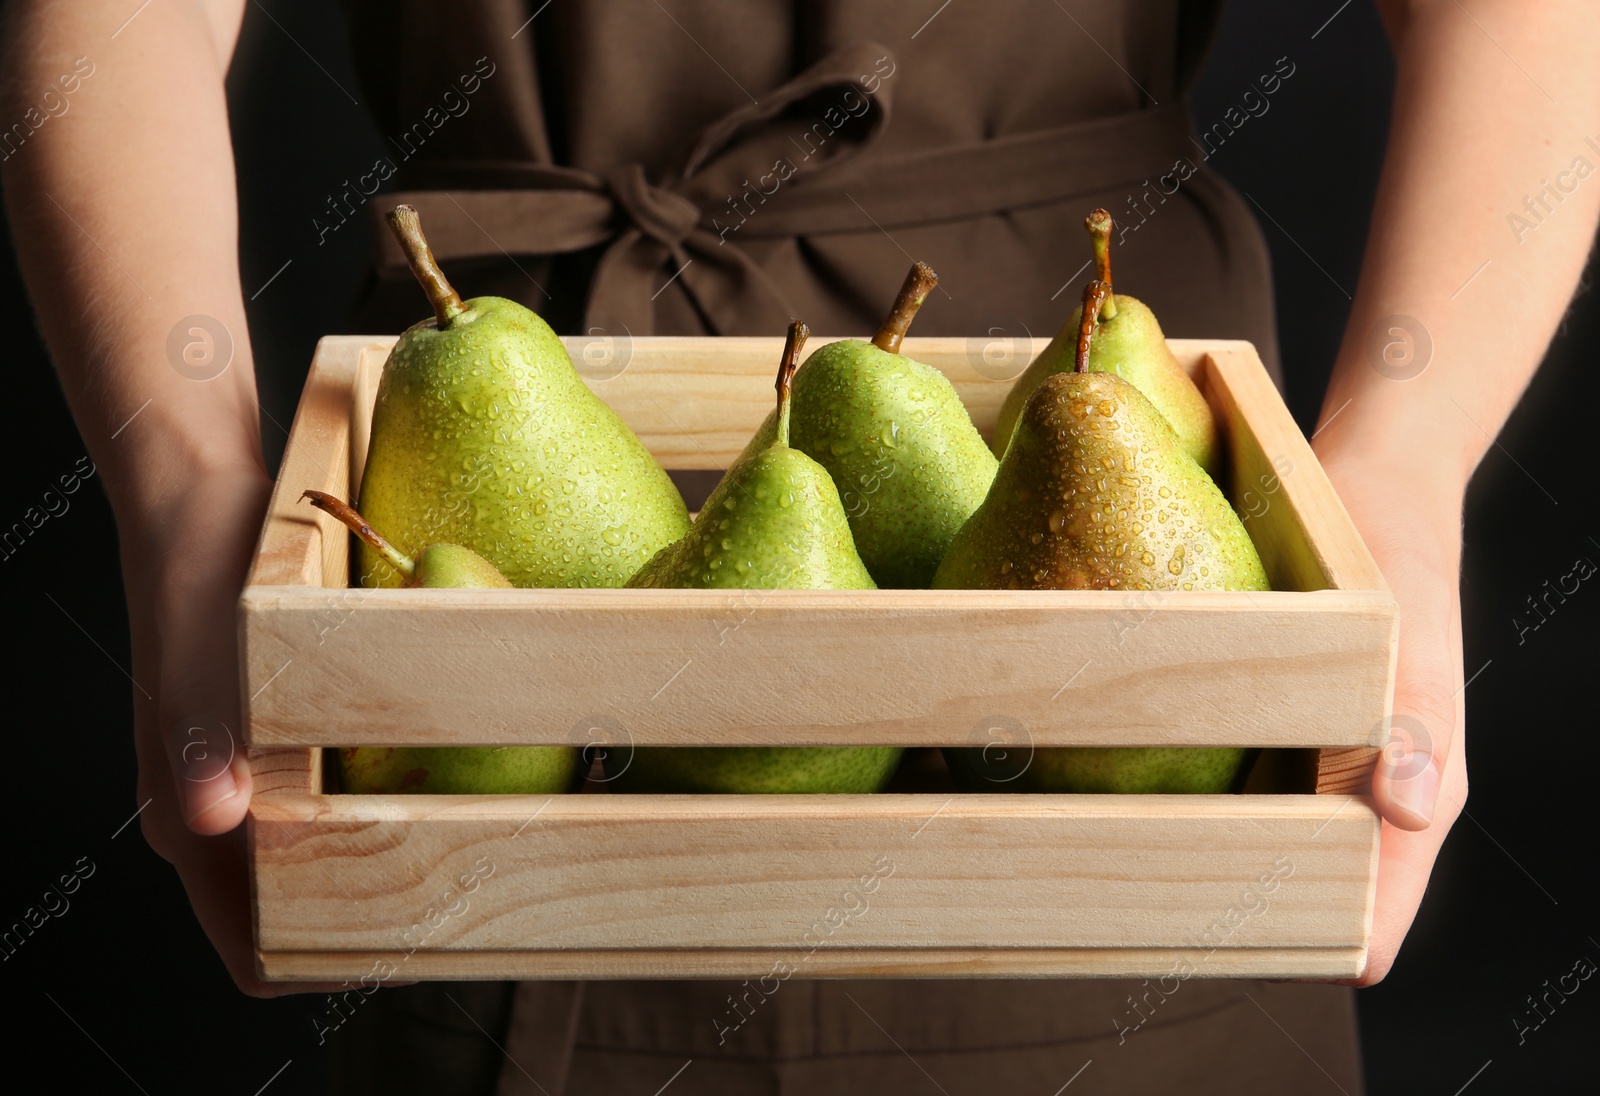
x: 1095, y: 294
x: 918, y: 284
x: 407, y: 228
x: 798, y: 333
x: 358, y: 525
x: 1098, y: 225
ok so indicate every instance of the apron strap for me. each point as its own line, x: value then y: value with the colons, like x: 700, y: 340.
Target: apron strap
x: 779, y: 168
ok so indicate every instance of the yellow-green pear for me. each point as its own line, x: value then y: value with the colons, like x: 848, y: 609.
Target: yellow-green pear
x: 897, y: 440
x: 1096, y: 492
x: 485, y: 770
x: 484, y: 435
x: 774, y: 522
x: 1128, y: 343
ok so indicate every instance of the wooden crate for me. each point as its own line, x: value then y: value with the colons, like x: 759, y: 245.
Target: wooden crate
x: 1277, y: 883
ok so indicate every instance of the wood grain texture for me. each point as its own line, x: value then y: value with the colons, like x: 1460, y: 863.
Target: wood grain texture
x: 376, y: 873
x: 754, y: 963
x: 364, y: 394
x: 1311, y: 543
x: 1345, y: 772
x: 794, y: 667
x: 300, y: 545
x: 285, y: 772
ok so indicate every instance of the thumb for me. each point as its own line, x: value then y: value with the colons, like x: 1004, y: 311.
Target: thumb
x: 1405, y: 783
x: 199, y: 721
x: 1426, y: 715
x: 199, y: 711
x: 210, y: 770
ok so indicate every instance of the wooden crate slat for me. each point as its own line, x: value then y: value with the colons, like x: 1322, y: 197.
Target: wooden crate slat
x: 815, y: 667
x: 586, y: 872
x: 1311, y: 544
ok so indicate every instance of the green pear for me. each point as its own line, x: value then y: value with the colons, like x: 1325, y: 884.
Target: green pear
x: 485, y: 770
x: 775, y: 522
x: 1096, y: 492
x: 458, y: 770
x: 1129, y: 343
x: 1122, y: 770
x: 484, y: 435
x: 897, y: 440
x: 439, y: 566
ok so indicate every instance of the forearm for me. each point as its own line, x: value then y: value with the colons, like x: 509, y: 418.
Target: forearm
x: 1481, y: 125
x: 124, y: 214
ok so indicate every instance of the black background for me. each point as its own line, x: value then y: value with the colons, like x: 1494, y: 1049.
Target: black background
x: 1508, y: 907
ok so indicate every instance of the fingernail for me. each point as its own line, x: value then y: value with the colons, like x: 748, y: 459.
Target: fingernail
x: 1416, y: 794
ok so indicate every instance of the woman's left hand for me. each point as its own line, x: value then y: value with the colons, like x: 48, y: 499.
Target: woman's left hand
x: 1413, y: 530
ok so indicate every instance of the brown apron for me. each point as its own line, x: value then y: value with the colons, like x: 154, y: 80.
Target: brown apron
x: 687, y: 167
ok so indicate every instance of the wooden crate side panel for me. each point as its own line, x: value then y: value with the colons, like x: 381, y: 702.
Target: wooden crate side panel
x: 299, y: 544
x: 754, y: 963
x: 368, y: 372
x: 1306, y: 538
x: 1300, y: 527
x: 695, y: 402
x: 447, y: 874
x: 465, y: 667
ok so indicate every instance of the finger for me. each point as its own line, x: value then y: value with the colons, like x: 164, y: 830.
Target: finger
x: 199, y: 714
x: 1426, y: 713
x: 215, y: 876
x: 195, y: 601
x: 1406, y: 781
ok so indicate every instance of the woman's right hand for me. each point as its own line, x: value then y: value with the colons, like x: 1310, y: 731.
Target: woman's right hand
x: 126, y: 252
x: 184, y: 568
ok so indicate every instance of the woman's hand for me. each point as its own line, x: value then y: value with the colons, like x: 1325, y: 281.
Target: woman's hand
x: 184, y: 566
x: 120, y: 248
x: 1452, y: 315
x: 1413, y: 529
